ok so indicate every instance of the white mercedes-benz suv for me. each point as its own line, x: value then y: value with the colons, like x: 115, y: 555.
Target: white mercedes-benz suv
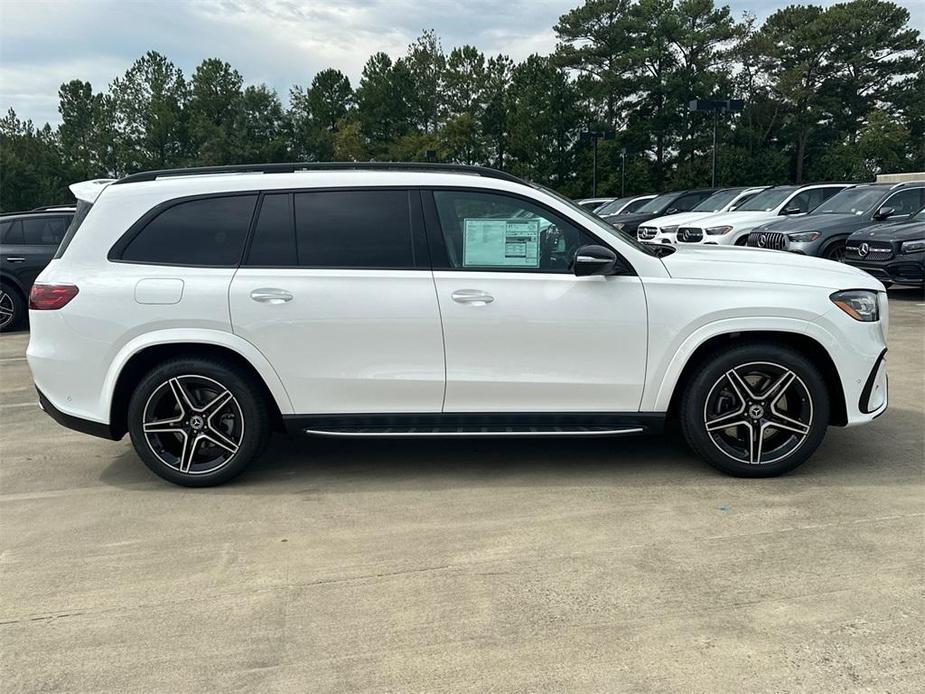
x: 199, y: 310
x: 665, y: 229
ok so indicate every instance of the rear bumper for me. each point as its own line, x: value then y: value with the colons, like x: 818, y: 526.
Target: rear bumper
x: 84, y: 426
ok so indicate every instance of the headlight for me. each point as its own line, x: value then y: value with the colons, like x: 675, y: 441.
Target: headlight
x: 669, y: 229
x: 618, y: 226
x: 860, y: 304
x: 804, y: 236
x: 912, y: 246
x: 716, y: 231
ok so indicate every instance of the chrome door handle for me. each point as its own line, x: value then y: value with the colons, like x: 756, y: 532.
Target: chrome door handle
x: 270, y: 295
x: 16, y: 259
x: 472, y: 296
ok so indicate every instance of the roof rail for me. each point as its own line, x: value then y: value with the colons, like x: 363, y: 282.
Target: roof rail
x: 322, y: 166
x: 46, y: 208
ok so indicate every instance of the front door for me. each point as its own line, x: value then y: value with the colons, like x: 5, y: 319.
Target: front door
x: 336, y: 291
x: 522, y: 332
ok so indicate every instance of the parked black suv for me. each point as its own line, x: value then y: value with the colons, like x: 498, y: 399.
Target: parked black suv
x: 824, y: 231
x: 893, y: 253
x: 659, y: 206
x: 28, y: 241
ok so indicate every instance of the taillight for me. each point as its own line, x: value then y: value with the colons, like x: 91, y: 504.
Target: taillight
x: 50, y: 297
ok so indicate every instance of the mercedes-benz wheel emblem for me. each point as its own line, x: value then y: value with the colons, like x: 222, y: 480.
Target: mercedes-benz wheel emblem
x: 863, y: 250
x: 762, y: 240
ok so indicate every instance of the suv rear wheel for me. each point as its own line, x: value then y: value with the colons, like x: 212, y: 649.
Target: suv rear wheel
x: 756, y: 411
x: 12, y: 308
x: 198, y: 422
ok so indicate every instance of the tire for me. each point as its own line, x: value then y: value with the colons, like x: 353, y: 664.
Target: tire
x: 198, y: 422
x: 12, y: 308
x: 835, y: 251
x: 737, y: 387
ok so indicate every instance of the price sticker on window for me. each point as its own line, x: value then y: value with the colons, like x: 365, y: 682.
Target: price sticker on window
x: 501, y: 242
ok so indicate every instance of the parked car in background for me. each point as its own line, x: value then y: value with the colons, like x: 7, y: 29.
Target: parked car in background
x: 432, y: 301
x: 732, y: 228
x: 623, y: 205
x: 659, y: 206
x: 665, y: 229
x: 824, y: 231
x: 894, y: 253
x: 28, y: 240
x: 593, y: 204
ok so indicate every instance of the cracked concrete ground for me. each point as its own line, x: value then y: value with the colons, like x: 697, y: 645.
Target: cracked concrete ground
x: 466, y: 566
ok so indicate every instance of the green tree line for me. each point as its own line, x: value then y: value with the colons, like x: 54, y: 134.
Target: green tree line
x: 835, y: 93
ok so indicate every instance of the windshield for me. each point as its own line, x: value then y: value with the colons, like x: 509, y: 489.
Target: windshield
x: 658, y: 204
x: 855, y: 201
x: 657, y: 251
x: 613, y: 207
x: 717, y: 201
x: 766, y: 200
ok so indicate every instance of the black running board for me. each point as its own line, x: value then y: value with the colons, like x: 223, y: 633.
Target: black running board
x: 466, y: 425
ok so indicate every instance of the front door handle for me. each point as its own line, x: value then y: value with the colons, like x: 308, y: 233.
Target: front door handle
x: 271, y: 295
x: 476, y: 297
x: 15, y: 259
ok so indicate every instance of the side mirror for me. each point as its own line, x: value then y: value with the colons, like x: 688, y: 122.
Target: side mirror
x: 884, y: 213
x: 671, y: 210
x: 594, y: 260
x: 792, y: 210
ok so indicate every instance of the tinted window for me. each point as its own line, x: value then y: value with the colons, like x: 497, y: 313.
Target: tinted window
x: 657, y: 204
x: 210, y: 232
x: 80, y: 214
x: 487, y: 231
x: 354, y: 229
x: 44, y: 231
x: 635, y: 205
x: 854, y: 201
x: 905, y: 201
x: 274, y: 234
x: 11, y: 232
x: 687, y: 202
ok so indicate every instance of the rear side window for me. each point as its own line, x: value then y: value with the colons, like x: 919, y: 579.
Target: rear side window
x: 11, y: 232
x: 44, y: 231
x: 205, y: 232
x: 354, y: 229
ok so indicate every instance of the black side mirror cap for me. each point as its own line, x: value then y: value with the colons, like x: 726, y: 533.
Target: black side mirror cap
x: 884, y: 213
x: 595, y: 260
x: 792, y: 210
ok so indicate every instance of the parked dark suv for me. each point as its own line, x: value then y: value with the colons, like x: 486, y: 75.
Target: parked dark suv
x: 659, y: 206
x: 824, y: 231
x: 893, y: 253
x: 28, y: 241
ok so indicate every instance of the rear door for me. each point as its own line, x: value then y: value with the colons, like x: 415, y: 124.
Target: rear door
x: 337, y: 292
x: 29, y: 244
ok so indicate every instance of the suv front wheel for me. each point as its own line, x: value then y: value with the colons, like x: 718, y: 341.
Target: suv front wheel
x: 198, y: 422
x: 755, y: 411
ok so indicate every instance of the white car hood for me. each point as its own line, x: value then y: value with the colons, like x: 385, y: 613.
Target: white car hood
x: 679, y: 219
x: 740, y: 264
x: 738, y: 219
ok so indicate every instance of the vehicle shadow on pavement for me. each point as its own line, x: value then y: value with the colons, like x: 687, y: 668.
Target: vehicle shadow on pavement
x: 856, y: 456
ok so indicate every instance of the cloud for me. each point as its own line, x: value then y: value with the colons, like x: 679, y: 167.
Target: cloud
x: 278, y: 42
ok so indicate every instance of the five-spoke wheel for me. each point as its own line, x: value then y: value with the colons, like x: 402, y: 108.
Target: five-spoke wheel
x: 755, y: 410
x: 198, y: 422
x: 12, y: 308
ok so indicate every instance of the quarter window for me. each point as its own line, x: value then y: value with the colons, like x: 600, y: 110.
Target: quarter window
x: 487, y: 231
x: 274, y: 234
x: 354, y: 229
x: 206, y: 232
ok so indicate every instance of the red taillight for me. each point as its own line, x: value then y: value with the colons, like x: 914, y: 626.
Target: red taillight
x: 49, y: 297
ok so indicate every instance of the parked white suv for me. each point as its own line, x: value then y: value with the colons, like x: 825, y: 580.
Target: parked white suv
x: 732, y: 228
x: 198, y: 310
x: 665, y: 229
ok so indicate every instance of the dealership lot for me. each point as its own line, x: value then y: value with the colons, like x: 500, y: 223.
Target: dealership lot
x: 466, y: 565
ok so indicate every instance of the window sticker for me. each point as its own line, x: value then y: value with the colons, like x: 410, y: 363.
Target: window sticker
x: 501, y: 242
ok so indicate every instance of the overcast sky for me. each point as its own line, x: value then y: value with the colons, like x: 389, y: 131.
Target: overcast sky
x: 279, y: 42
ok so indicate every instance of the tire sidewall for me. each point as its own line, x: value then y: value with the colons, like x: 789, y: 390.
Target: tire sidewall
x: 19, y: 307
x: 712, y: 370
x: 250, y: 400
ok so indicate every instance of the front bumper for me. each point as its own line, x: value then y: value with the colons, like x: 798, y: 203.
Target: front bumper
x: 908, y: 268
x: 875, y: 395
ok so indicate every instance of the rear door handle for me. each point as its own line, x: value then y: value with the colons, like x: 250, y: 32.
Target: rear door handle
x: 14, y: 259
x: 271, y: 295
x: 472, y: 296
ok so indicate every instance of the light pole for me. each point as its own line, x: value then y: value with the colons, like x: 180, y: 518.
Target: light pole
x: 594, y: 136
x: 623, y: 172
x: 717, y: 106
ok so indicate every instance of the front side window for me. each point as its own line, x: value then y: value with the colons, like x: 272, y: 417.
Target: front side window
x: 354, y: 229
x: 205, y: 232
x: 44, y: 231
x: 490, y: 231
x: 905, y: 202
